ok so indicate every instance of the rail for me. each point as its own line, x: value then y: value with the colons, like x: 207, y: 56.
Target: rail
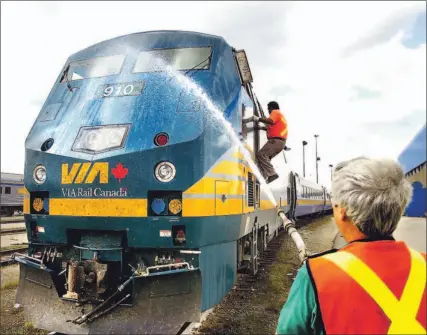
x: 6, y: 255
x: 12, y: 231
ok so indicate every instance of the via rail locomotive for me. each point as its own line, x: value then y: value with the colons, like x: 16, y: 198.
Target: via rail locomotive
x: 140, y: 208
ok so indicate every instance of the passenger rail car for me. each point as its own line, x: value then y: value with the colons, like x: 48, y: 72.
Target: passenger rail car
x: 312, y: 198
x: 12, y: 198
x: 328, y: 199
x: 133, y: 181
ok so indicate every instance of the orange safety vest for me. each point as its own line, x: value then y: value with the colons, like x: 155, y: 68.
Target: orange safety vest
x: 376, y: 287
x: 280, y: 127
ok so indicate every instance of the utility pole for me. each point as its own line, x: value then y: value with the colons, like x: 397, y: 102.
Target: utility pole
x: 304, y: 143
x: 330, y: 165
x: 317, y: 160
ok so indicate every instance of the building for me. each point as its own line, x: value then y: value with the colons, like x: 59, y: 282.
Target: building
x: 413, y: 161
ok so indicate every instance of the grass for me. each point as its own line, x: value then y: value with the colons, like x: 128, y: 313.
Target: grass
x: 12, y: 319
x: 279, y: 283
x: 266, y: 302
x: 28, y: 328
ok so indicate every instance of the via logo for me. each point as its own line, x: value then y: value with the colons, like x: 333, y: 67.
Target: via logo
x: 87, y: 173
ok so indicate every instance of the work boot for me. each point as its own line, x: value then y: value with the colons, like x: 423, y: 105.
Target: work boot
x: 272, y: 178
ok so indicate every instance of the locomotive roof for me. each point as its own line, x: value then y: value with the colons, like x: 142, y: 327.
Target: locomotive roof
x: 309, y: 183
x: 12, y: 177
x: 138, y: 40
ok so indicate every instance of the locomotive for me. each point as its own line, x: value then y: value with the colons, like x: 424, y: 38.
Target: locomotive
x: 140, y: 205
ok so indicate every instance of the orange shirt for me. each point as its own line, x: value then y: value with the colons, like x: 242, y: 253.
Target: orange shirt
x: 280, y: 127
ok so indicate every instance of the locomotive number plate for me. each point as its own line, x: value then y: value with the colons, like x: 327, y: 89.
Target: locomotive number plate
x: 120, y: 90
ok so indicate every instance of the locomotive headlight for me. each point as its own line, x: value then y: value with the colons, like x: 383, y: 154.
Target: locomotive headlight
x: 39, y: 174
x: 101, y: 138
x: 165, y: 172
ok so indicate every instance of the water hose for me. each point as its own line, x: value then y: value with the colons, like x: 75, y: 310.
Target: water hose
x: 290, y: 229
x: 83, y: 318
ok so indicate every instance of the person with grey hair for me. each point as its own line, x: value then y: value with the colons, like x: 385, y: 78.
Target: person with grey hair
x: 374, y: 284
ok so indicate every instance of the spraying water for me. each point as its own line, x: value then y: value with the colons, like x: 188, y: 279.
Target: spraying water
x: 188, y: 84
x: 216, y: 113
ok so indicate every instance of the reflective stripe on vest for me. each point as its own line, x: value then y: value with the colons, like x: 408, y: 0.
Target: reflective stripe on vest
x: 402, y: 313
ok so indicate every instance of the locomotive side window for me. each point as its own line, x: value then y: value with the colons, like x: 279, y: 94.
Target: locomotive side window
x: 1, y: 190
x: 175, y: 59
x: 7, y: 190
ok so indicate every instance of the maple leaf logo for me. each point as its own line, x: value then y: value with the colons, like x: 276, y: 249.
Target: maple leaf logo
x: 119, y: 172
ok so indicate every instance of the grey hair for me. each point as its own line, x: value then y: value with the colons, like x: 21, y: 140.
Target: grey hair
x: 373, y: 192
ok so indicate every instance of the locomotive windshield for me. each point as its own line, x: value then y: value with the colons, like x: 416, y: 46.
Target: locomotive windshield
x: 176, y: 59
x: 94, y: 67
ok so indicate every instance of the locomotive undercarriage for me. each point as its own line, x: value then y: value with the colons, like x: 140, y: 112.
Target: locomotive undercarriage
x: 96, y: 284
x: 104, y: 289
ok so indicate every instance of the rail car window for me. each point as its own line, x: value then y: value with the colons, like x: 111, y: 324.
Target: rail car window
x: 1, y: 190
x: 94, y: 68
x: 176, y: 59
x: 7, y: 190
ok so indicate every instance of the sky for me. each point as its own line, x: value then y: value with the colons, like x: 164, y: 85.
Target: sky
x: 352, y: 72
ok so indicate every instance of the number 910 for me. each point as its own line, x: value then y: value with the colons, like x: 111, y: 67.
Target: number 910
x: 118, y: 90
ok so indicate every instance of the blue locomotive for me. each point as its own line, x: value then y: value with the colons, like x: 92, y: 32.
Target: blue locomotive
x: 142, y: 201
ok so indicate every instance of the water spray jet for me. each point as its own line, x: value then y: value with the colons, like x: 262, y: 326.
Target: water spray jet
x: 288, y: 225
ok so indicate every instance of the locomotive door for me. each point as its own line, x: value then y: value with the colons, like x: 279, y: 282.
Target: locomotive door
x: 250, y: 138
x: 247, y: 130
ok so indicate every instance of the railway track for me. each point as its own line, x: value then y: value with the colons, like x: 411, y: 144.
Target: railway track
x: 12, y: 231
x: 5, y: 258
x: 239, y: 299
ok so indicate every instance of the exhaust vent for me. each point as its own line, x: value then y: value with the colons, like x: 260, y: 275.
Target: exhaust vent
x: 250, y: 190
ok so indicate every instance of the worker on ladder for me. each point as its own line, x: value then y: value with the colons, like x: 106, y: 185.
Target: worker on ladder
x: 374, y: 284
x: 277, y: 134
